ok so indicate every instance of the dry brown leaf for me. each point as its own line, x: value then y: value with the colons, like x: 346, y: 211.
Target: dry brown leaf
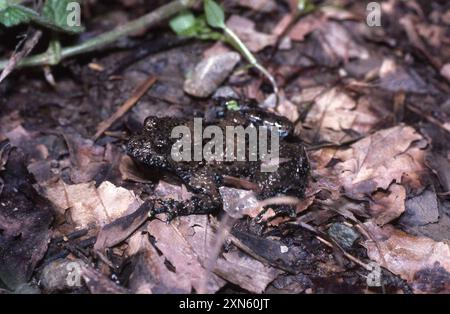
x: 129, y: 172
x: 421, y: 261
x: 245, y: 29
x: 120, y: 229
x: 88, y: 204
x: 87, y: 159
x: 151, y: 275
x: 333, y: 12
x: 99, y: 206
x: 245, y: 271
x: 179, y: 252
x: 387, y: 206
x: 338, y: 41
x: 304, y: 27
x: 234, y: 266
x: 381, y: 158
x: 259, y: 5
x: 334, y: 114
x: 288, y: 109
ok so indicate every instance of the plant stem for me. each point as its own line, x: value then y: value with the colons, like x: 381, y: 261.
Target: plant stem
x: 238, y: 44
x: 104, y: 39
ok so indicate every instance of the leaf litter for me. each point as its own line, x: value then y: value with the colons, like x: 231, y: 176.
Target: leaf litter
x: 370, y: 103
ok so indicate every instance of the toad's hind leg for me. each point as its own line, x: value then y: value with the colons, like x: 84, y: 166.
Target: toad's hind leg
x: 290, y: 178
x: 206, y: 198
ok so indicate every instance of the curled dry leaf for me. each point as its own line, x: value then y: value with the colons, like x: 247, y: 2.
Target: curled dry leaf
x: 421, y: 261
x: 337, y: 41
x: 245, y: 29
x: 245, y: 271
x: 195, y: 239
x: 179, y: 252
x: 87, y: 159
x: 150, y: 272
x: 395, y: 78
x: 335, y: 114
x: 305, y: 26
x: 90, y: 205
x: 25, y: 219
x: 378, y: 160
x: 259, y: 5
x: 121, y: 228
x: 129, y: 172
x: 387, y: 206
x: 421, y: 210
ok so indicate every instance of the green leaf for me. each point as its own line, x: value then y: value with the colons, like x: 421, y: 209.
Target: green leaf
x: 233, y: 105
x: 305, y: 6
x: 214, y: 14
x: 183, y: 24
x: 3, y: 4
x: 11, y: 15
x: 61, y: 15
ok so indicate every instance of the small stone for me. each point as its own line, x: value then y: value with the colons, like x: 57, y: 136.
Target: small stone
x: 344, y: 235
x: 210, y: 73
x: 225, y: 92
x: 61, y: 275
x: 284, y: 249
x: 236, y: 202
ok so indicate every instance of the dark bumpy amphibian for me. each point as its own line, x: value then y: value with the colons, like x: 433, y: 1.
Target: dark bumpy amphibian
x: 152, y: 147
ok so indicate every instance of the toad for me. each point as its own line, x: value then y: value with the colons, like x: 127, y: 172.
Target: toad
x: 153, y: 148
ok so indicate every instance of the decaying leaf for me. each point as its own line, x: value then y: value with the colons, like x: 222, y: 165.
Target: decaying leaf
x: 387, y: 206
x: 376, y: 161
x: 121, y: 228
x: 421, y: 210
x: 258, y: 5
x: 421, y: 261
x: 150, y: 272
x: 339, y: 44
x: 245, y: 29
x: 305, y: 26
x: 235, y: 267
x: 87, y: 159
x: 179, y: 252
x: 395, y: 78
x: 25, y: 219
x: 88, y: 204
x: 245, y: 271
x: 335, y: 115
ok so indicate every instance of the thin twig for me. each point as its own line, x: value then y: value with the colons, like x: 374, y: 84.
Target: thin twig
x: 137, y: 94
x: 348, y: 255
x: 150, y: 19
x: 28, y: 46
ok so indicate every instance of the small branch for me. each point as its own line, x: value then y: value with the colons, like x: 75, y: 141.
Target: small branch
x: 28, y: 46
x: 100, y: 41
x: 137, y: 94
